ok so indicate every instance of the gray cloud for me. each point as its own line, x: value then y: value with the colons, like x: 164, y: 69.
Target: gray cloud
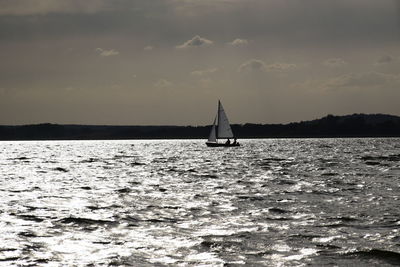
x: 43, y: 7
x: 106, y: 53
x: 163, y: 83
x: 66, y: 19
x: 252, y: 65
x: 203, y: 72
x: 279, y: 67
x: 334, y: 62
x: 385, y: 59
x: 196, y: 41
x: 239, y: 42
x: 365, y: 79
x: 295, y: 22
x: 358, y: 81
x: 259, y: 65
x: 374, y: 21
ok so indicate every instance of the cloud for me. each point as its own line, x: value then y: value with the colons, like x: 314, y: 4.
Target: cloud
x: 385, y: 59
x: 280, y: 67
x: 279, y: 18
x: 256, y: 65
x: 353, y: 81
x: 252, y: 65
x: 239, y: 42
x: 106, y: 53
x: 334, y: 62
x: 148, y: 48
x: 196, y: 41
x: 163, y: 84
x: 203, y: 72
x: 362, y: 80
x: 43, y: 7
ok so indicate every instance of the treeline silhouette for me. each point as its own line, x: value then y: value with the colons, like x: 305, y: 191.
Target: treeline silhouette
x: 356, y: 125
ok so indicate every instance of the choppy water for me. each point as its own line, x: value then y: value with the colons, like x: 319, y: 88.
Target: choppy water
x: 143, y: 203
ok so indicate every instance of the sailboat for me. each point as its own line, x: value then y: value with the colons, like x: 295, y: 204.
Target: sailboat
x: 221, y: 129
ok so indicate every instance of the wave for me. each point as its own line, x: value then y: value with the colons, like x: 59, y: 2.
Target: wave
x: 7, y: 249
x: 279, y: 218
x: 20, y: 158
x: 85, y: 221
x: 105, y: 207
x: 212, y: 176
x: 274, y: 159
x: 277, y: 210
x: 27, y: 234
x: 60, y: 169
x: 9, y: 259
x: 42, y: 261
x: 285, y: 182
x: 137, y: 163
x: 372, y: 163
x: 90, y: 160
x: 393, y: 157
x: 86, y: 187
x: 329, y: 174
x: 304, y: 236
x: 347, y: 219
x: 27, y: 217
x: 124, y: 190
x: 388, y: 256
x: 152, y: 220
x: 252, y: 198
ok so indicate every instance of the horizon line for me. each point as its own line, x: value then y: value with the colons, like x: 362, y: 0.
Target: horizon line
x: 175, y: 125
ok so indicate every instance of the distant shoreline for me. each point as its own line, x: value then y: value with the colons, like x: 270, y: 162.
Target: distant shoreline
x: 349, y: 126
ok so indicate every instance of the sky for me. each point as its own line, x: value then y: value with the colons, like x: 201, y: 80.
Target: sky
x: 167, y: 62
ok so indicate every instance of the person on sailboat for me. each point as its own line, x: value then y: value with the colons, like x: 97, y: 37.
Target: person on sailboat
x: 228, y: 142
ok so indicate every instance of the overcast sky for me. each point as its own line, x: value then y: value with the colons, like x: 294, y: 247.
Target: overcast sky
x: 152, y: 62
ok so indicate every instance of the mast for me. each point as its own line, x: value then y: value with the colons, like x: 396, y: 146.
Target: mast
x: 216, y: 132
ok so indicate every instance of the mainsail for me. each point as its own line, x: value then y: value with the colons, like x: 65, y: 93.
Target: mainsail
x: 213, y: 136
x: 224, y: 128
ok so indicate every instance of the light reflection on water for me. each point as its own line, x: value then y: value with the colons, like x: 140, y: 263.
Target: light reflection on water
x: 279, y: 202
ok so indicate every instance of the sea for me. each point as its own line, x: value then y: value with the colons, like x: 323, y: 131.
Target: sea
x: 269, y: 202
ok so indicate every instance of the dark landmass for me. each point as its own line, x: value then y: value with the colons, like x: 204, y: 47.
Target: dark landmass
x: 356, y: 125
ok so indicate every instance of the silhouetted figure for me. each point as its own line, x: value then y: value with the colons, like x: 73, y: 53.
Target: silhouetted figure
x: 234, y: 141
x: 228, y: 142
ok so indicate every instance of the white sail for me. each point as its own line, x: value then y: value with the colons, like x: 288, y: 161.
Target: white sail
x: 213, y: 135
x: 224, y: 128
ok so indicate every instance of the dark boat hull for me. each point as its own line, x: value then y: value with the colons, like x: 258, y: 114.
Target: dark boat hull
x: 210, y: 144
